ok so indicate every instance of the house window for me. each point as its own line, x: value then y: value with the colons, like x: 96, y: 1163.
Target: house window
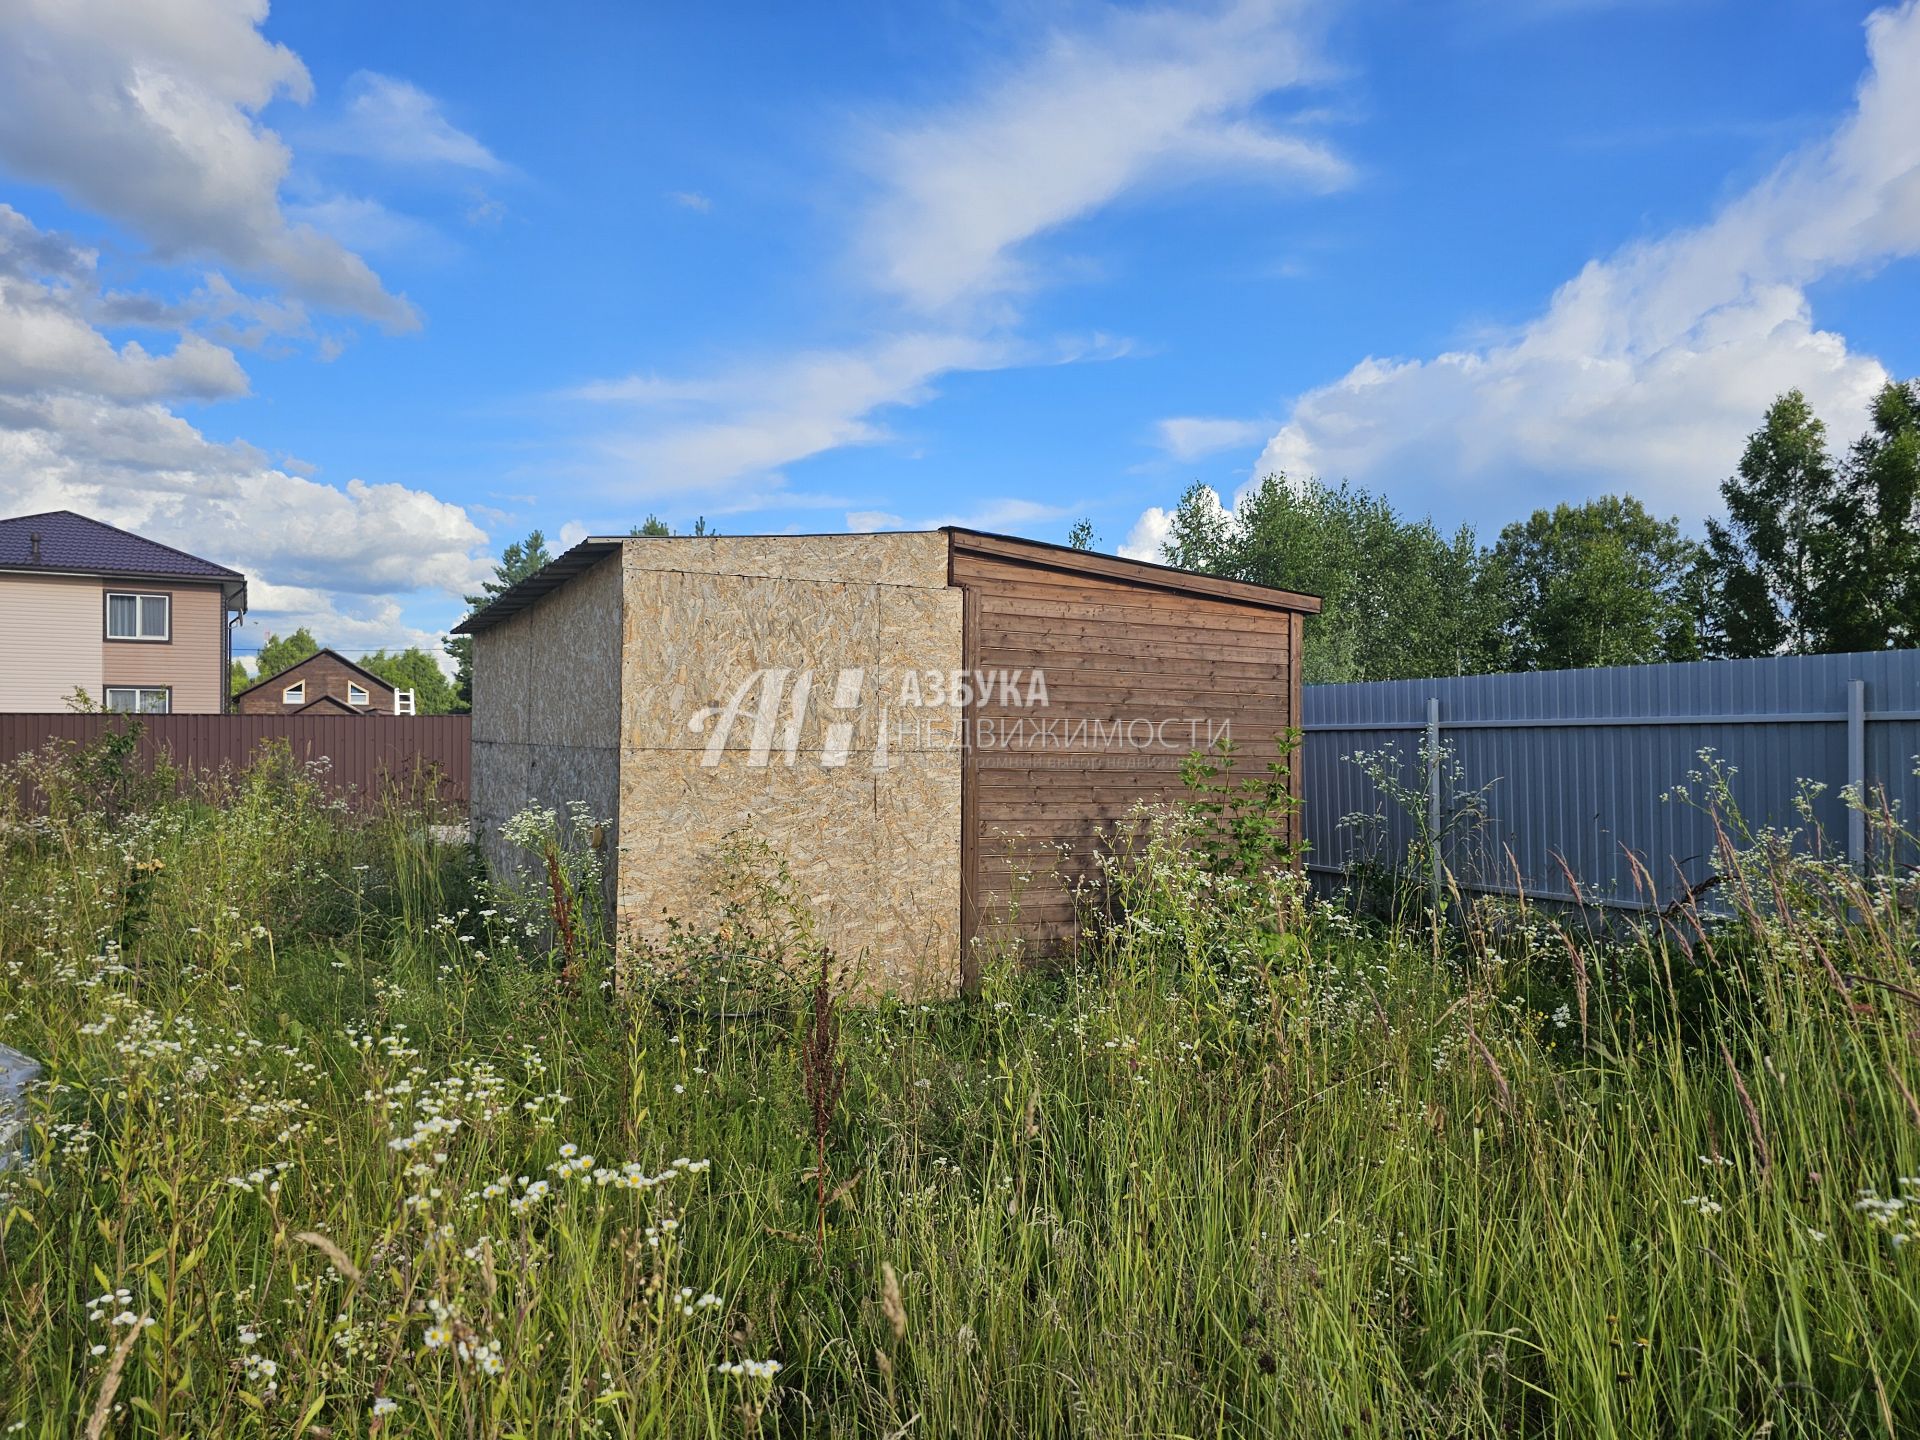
x: 356, y: 694
x: 140, y: 699
x: 295, y: 694
x: 139, y: 617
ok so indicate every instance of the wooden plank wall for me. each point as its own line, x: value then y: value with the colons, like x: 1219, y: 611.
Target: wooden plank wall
x: 1041, y: 803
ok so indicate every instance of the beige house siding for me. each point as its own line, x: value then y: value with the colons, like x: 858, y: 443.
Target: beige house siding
x: 50, y: 628
x: 872, y: 829
x: 546, y: 728
x: 190, y: 663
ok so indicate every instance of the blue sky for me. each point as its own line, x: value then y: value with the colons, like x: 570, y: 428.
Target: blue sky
x: 350, y: 296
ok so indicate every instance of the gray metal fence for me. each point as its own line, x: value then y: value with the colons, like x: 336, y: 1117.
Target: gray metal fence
x: 1572, y: 771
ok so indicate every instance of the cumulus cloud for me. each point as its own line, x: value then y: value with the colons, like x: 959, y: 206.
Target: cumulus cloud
x: 86, y: 425
x: 349, y: 553
x: 1648, y: 367
x: 1148, y: 537
x: 48, y: 346
x: 353, y: 624
x: 1146, y: 97
x: 148, y: 114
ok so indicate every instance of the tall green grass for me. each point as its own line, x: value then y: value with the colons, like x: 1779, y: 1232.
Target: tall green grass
x: 323, y: 1112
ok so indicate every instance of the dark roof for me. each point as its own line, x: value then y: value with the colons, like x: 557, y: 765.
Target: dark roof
x: 591, y: 551
x: 329, y: 702
x: 289, y: 675
x: 551, y: 576
x: 75, y: 543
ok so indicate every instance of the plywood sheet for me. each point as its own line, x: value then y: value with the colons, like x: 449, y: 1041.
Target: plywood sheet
x: 761, y: 691
x: 913, y: 558
x: 875, y: 852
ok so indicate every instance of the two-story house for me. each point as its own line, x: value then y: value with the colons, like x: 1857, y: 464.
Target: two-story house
x: 131, y: 623
x: 325, y: 683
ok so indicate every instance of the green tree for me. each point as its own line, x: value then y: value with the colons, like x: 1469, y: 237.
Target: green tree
x: 1602, y: 583
x: 1200, y: 534
x: 518, y: 561
x: 654, y: 528
x: 1869, y: 598
x: 1080, y: 535
x: 276, y: 654
x: 1400, y: 599
x: 414, y: 669
x: 1768, y: 556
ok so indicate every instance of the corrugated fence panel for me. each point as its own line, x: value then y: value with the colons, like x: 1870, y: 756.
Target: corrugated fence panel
x: 361, y: 756
x: 1576, y: 771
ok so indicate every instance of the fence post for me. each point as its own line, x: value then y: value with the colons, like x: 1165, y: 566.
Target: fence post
x: 1857, y: 773
x: 1433, y: 798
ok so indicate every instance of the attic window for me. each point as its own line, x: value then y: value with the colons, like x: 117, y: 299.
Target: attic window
x: 295, y: 694
x: 356, y: 694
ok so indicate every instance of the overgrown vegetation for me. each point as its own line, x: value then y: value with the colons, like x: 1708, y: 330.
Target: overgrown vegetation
x: 328, y: 1148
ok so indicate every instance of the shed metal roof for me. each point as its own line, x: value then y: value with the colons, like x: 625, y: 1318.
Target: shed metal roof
x: 551, y: 576
x: 1039, y: 553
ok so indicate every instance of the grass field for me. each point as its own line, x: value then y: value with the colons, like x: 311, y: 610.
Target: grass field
x: 336, y: 1144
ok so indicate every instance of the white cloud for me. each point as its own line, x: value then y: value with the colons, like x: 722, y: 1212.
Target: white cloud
x: 365, y: 223
x: 1147, y: 97
x: 48, y: 345
x: 1136, y: 99
x: 395, y: 122
x: 691, y: 200
x: 1149, y: 534
x: 141, y: 466
x: 865, y: 522
x: 726, y: 437
x: 348, y: 555
x: 353, y: 625
x: 1648, y: 368
x: 83, y: 427
x: 1189, y: 437
x: 147, y: 113
x: 45, y: 346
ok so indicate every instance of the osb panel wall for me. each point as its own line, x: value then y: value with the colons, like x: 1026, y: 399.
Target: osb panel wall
x: 546, y: 711
x: 1136, y: 679
x: 918, y: 560
x: 860, y: 794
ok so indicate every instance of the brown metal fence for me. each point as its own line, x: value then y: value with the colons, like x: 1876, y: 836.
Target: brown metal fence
x: 365, y: 756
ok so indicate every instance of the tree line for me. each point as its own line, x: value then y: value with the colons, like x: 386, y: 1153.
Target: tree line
x: 1814, y: 553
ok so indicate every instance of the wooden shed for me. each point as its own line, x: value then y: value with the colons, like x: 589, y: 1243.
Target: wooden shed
x: 912, y: 719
